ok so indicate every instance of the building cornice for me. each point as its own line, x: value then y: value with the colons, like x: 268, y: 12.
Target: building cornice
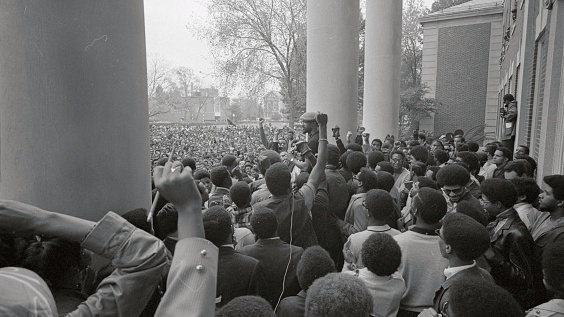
x: 441, y: 16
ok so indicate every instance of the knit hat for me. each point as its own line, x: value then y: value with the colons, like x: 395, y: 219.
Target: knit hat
x: 24, y: 293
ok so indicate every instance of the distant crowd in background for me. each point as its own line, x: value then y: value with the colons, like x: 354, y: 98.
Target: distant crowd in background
x: 268, y: 221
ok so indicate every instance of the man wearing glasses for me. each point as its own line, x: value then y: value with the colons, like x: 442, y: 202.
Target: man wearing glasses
x: 453, y: 179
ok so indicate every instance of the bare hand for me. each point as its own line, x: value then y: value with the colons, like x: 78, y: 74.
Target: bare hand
x: 176, y: 184
x: 321, y: 118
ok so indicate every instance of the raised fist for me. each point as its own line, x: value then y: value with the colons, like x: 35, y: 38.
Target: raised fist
x: 336, y: 131
x: 321, y: 118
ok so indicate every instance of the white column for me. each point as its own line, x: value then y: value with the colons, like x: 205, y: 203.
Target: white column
x: 332, y: 60
x: 382, y: 67
x: 73, y: 117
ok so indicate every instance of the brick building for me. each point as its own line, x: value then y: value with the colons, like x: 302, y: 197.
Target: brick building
x: 532, y: 67
x: 461, y: 49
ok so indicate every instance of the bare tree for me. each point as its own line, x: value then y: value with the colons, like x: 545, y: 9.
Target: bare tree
x: 157, y: 78
x: 255, y: 42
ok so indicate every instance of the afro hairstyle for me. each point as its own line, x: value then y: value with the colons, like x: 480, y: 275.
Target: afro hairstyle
x: 333, y: 155
x: 354, y: 147
x: 385, y: 180
x: 453, y: 175
x: 337, y: 295
x: 381, y: 254
x: 356, y: 161
x: 343, y: 159
x: 471, y: 159
x: 386, y: 167
x: 430, y: 204
x: 228, y: 160
x: 220, y: 177
x: 467, y: 208
x: 441, y: 156
x: 418, y: 168
x: 419, y: 153
x: 314, y: 263
x: 527, y: 187
x: 167, y: 220
x: 473, y: 297
x: 517, y: 166
x: 273, y: 156
x: 138, y: 218
x: 368, y: 178
x: 425, y: 181
x: 199, y: 174
x: 278, y: 179
x: 240, y: 194
x: 556, y: 182
x: 217, y: 225
x: 379, y: 203
x: 506, y: 153
x: 264, y: 222
x: 245, y: 306
x: 374, y: 158
x: 468, y: 238
x: 189, y: 162
x: 499, y: 190
x: 473, y: 146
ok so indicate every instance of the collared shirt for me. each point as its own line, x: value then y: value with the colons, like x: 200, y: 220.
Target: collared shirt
x: 527, y: 213
x: 450, y: 271
x: 240, y: 217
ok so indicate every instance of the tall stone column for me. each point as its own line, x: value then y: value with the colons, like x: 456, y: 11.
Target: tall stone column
x: 74, y: 134
x: 382, y: 67
x: 332, y: 60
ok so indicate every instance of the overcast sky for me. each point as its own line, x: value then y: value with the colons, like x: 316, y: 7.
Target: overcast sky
x: 168, y: 37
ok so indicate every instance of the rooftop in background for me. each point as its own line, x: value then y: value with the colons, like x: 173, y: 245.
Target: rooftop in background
x: 474, y: 8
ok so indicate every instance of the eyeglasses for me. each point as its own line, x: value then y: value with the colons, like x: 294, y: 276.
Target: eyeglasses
x: 454, y: 191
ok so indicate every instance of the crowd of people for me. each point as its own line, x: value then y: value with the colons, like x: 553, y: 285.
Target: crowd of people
x: 267, y: 221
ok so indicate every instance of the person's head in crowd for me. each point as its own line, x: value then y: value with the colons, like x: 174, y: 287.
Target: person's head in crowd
x: 441, y: 157
x: 473, y: 146
x: 522, y: 150
x: 422, y: 182
x: 490, y: 149
x: 530, y: 160
x: 463, y: 165
x: 501, y: 156
x: 374, y: 158
x: 507, y: 98
x: 472, y: 297
x: 309, y: 124
x: 271, y: 155
x: 471, y: 159
x: 56, y: 260
x: 337, y: 295
x: 264, y: 223
x: 432, y: 172
x: 498, y: 195
x: 167, y: 221
x: 482, y: 157
x: 300, y: 180
x: 467, y: 208
x: 399, y: 144
x: 356, y: 161
x: 419, y: 153
x: 376, y: 144
x: 217, y: 226
x: 278, y: 179
x: 422, y: 138
x: 189, y: 162
x: 204, y: 177
x: 453, y: 179
x: 463, y: 238
x: 246, y: 306
x: 428, y: 206
x: 314, y: 263
x: 385, y: 180
x: 229, y: 161
x: 552, y: 268
x: 354, y: 147
x: 413, y: 143
x: 333, y: 155
x: 343, y: 160
x: 552, y: 197
x: 418, y: 169
x: 240, y: 194
x: 386, y: 148
x: 397, y: 158
x: 381, y: 254
x: 367, y: 180
x: 221, y: 177
x: 458, y: 139
x: 527, y: 190
x: 385, y: 166
x: 379, y: 204
x: 138, y: 218
x: 461, y: 147
x: 437, y: 145
x: 515, y: 169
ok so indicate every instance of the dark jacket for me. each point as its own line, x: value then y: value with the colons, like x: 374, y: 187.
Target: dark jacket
x: 511, y: 256
x: 442, y: 295
x: 238, y: 275
x: 276, y: 255
x: 293, y: 306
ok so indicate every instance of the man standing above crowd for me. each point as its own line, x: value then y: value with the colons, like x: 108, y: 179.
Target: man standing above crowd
x: 311, y: 127
x: 509, y: 115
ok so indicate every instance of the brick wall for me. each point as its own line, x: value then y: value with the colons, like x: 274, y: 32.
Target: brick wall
x: 462, y: 76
